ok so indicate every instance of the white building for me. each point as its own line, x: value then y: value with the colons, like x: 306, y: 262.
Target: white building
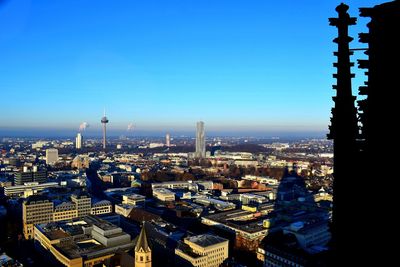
x: 78, y: 141
x: 168, y: 140
x: 27, y: 189
x: 163, y: 194
x: 51, y: 156
x: 261, y: 179
x: 154, y: 145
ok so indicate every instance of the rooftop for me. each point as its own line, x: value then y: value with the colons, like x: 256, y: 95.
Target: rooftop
x: 78, y: 242
x: 205, y: 240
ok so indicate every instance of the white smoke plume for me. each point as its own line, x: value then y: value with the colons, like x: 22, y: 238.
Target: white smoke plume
x: 130, y: 127
x: 83, y: 126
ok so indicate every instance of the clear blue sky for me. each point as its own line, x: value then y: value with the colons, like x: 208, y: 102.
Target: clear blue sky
x: 162, y: 65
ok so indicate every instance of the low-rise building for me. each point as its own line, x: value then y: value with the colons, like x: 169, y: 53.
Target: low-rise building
x: 133, y: 199
x: 86, y: 242
x: 81, y: 162
x: 39, y: 209
x: 163, y: 194
x: 27, y: 189
x: 202, y: 250
x: 123, y: 209
x: 28, y: 175
x: 101, y: 207
x: 36, y: 209
x: 65, y: 211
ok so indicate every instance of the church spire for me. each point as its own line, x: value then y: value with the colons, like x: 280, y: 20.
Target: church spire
x: 142, y: 250
x: 142, y: 244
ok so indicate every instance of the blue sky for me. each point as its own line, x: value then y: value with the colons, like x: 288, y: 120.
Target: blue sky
x: 259, y: 66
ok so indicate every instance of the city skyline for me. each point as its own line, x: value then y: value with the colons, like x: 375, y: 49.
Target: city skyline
x: 255, y: 72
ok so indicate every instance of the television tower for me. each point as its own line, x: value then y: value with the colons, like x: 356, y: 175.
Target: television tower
x: 104, y: 121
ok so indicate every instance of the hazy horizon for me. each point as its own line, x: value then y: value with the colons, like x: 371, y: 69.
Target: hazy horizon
x: 112, y: 133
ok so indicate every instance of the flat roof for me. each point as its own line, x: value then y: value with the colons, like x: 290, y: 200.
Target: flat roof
x: 206, y: 240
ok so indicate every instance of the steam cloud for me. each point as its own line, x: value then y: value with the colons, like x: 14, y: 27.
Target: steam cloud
x: 130, y: 127
x: 83, y: 126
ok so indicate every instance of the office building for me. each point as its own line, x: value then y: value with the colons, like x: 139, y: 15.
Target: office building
x: 51, y: 156
x: 163, y: 194
x: 83, y: 204
x: 78, y: 141
x: 200, y: 141
x: 101, y: 207
x: 27, y: 175
x: 202, y: 250
x: 133, y: 199
x: 90, y: 241
x: 27, y: 189
x: 36, y: 209
x: 65, y: 211
x: 23, y: 177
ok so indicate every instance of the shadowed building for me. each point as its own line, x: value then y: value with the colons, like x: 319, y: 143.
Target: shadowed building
x: 27, y: 176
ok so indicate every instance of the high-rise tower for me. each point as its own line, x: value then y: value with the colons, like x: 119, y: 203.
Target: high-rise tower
x: 168, y: 140
x: 78, y: 141
x: 200, y: 141
x: 104, y: 121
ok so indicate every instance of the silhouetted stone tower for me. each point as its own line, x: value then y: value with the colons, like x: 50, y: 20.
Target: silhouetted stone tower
x: 378, y: 116
x: 383, y: 73
x: 344, y: 132
x: 361, y: 219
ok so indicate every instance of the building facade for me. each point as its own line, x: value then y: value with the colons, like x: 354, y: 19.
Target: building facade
x: 35, y: 210
x: 202, y: 251
x: 83, y: 204
x: 27, y: 175
x: 38, y: 209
